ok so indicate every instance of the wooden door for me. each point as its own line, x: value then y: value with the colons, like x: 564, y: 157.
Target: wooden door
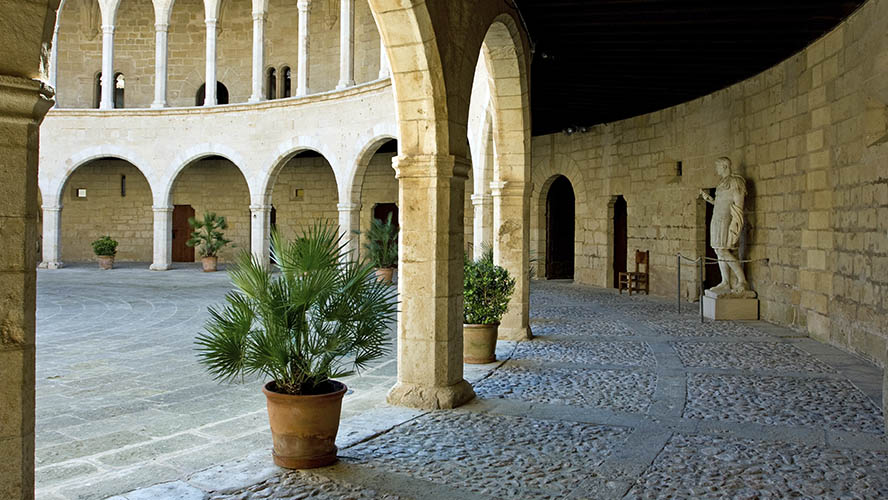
x: 560, y: 223
x: 620, y: 238
x: 711, y: 273
x: 181, y: 233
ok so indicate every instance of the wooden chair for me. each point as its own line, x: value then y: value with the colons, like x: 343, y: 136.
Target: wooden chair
x: 637, y: 280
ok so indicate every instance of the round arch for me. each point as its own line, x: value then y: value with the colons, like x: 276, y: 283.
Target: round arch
x: 352, y: 192
x: 94, y: 153
x: 284, y: 153
x: 165, y: 185
x: 544, y: 174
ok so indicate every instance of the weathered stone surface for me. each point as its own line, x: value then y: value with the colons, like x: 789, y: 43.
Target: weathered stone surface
x: 771, y: 356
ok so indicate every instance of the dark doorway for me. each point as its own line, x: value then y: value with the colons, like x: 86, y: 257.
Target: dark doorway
x: 711, y: 274
x: 560, y: 220
x: 382, y: 210
x: 221, y: 94
x: 181, y: 233
x: 620, y: 238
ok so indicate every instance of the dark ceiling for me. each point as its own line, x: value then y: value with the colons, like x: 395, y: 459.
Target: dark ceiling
x: 598, y: 61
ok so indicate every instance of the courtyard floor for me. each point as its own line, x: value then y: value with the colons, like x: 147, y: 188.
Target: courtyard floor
x: 616, y: 397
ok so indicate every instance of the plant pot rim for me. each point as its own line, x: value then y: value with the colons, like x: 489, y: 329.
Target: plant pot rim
x: 340, y: 390
x: 105, y: 256
x: 477, y: 325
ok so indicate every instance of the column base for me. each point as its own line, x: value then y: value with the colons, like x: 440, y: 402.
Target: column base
x: 254, y: 99
x: 345, y: 85
x: 160, y: 267
x: 51, y: 265
x: 430, y: 397
x: 520, y: 333
x: 158, y: 105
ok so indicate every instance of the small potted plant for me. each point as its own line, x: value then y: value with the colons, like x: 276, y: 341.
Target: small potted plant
x: 207, y: 233
x: 382, y: 247
x: 318, y: 319
x: 486, y: 292
x: 105, y: 249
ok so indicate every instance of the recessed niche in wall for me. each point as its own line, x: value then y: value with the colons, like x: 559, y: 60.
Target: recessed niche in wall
x: 297, y: 194
x: 80, y: 194
x: 678, y: 168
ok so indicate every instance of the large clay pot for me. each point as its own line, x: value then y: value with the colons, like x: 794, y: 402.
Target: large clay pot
x: 105, y: 261
x: 304, y: 427
x: 385, y: 274
x: 479, y: 343
x: 209, y: 263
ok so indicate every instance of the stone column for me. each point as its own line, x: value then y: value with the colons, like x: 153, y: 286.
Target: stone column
x: 107, y: 101
x: 430, y: 282
x: 258, y: 56
x: 23, y: 103
x: 511, y: 236
x: 161, y: 32
x: 384, y: 69
x: 163, y: 238
x: 346, y: 44
x: 210, y: 99
x: 349, y: 222
x: 260, y: 232
x: 52, y: 235
x: 483, y: 220
x: 304, y: 7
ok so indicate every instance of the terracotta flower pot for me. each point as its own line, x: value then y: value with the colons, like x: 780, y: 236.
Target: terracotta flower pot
x: 209, y: 263
x: 105, y: 261
x: 385, y: 274
x: 479, y: 343
x: 304, y: 427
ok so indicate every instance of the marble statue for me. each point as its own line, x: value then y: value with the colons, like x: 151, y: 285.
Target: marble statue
x: 724, y: 231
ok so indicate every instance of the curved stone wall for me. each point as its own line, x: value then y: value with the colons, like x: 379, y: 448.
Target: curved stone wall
x: 809, y: 135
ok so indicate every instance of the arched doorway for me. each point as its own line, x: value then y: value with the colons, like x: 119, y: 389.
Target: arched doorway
x: 303, y: 191
x: 560, y: 223
x: 221, y: 94
x: 621, y: 236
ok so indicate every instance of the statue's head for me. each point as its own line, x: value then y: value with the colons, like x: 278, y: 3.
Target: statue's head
x: 723, y: 166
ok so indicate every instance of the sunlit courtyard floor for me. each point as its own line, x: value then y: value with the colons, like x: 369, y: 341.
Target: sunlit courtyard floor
x: 616, y: 397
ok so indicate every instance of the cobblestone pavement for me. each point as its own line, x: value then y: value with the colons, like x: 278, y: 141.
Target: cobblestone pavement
x: 122, y: 402
x: 617, y: 397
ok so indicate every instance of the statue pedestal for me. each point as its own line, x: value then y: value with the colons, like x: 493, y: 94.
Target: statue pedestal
x: 730, y: 306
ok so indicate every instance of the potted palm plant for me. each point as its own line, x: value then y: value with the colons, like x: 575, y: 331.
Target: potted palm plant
x: 486, y: 292
x: 207, y: 234
x: 382, y: 247
x: 318, y: 319
x: 105, y: 249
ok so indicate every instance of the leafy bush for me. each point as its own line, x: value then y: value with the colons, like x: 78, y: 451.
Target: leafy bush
x: 382, y: 243
x: 208, y: 234
x: 486, y: 290
x: 298, y: 326
x: 105, y: 246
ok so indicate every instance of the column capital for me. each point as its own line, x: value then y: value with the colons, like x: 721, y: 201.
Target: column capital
x: 163, y: 27
x: 481, y: 199
x: 260, y: 208
x: 161, y: 208
x: 428, y: 166
x: 210, y: 21
x: 348, y: 207
x: 259, y: 15
x: 108, y: 29
x: 51, y: 208
x: 23, y: 98
x: 303, y: 5
x: 510, y: 188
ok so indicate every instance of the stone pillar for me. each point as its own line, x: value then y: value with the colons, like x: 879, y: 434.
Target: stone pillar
x: 304, y: 7
x: 384, y: 69
x: 346, y: 44
x: 107, y: 101
x: 483, y: 220
x: 52, y: 235
x: 430, y: 282
x: 260, y: 232
x: 258, y: 56
x: 163, y: 239
x: 23, y: 103
x: 349, y: 222
x: 210, y: 99
x: 511, y: 237
x: 161, y: 32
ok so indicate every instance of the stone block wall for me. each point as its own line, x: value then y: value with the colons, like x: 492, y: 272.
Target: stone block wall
x: 80, y: 49
x: 809, y: 135
x: 127, y: 219
x: 317, y: 200
x: 216, y: 185
x: 379, y: 186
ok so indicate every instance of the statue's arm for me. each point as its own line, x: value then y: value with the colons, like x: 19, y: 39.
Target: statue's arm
x: 706, y: 197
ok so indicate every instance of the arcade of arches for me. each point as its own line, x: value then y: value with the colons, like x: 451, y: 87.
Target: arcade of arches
x: 384, y: 95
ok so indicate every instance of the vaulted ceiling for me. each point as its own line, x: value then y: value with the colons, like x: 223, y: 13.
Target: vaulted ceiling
x: 598, y: 61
